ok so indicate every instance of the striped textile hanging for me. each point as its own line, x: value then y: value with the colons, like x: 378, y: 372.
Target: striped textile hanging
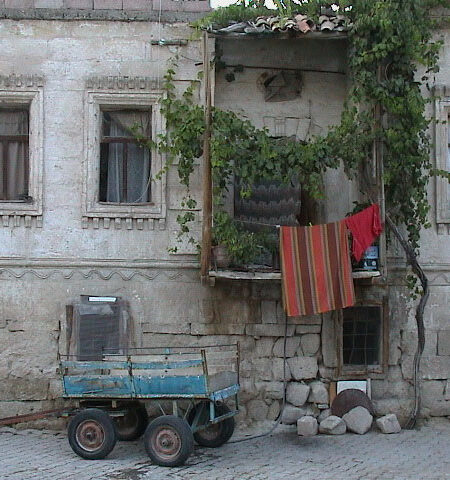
x: 316, y: 271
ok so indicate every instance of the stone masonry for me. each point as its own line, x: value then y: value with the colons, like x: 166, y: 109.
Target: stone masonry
x: 60, y: 248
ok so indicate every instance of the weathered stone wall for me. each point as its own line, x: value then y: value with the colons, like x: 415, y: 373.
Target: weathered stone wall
x: 47, y: 261
x: 127, y: 5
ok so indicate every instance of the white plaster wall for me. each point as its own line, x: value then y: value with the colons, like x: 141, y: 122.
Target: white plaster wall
x: 323, y: 66
x: 65, y: 54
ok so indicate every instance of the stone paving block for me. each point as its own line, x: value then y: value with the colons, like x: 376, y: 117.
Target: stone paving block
x: 415, y: 454
x: 318, y: 393
x: 263, y: 347
x: 358, y: 420
x: 310, y: 343
x: 281, y: 369
x: 447, y: 391
x: 297, y: 393
x: 307, y: 426
x: 19, y: 4
x: 267, y: 330
x: 324, y: 414
x: 291, y: 414
x: 409, y: 342
x: 148, y: 327
x: 440, y: 408
x: 269, y: 311
x: 257, y: 410
x: 273, y: 390
x: 292, y: 345
x: 302, y: 329
x: 388, y: 424
x: 182, y: 6
x: 263, y: 368
x: 141, y: 5
x: 48, y: 3
x: 108, y: 4
x: 216, y: 329
x: 444, y: 342
x: 274, y: 410
x: 333, y: 425
x: 303, y: 368
x: 79, y: 4
x: 431, y: 368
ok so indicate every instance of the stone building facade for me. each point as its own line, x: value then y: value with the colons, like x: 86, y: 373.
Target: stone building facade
x: 74, y: 66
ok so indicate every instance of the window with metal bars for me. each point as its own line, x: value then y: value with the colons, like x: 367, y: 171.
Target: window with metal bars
x: 361, y: 335
x: 125, y: 163
x: 14, y: 154
x: 99, y: 326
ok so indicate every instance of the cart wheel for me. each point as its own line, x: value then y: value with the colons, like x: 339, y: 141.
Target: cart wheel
x: 92, y: 434
x: 133, y: 424
x: 168, y: 441
x: 217, y: 433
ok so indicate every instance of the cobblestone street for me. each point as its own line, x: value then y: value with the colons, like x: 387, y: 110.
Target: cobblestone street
x: 418, y: 454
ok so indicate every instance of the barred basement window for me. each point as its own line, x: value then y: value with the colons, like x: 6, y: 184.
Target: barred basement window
x: 361, y: 336
x: 125, y: 165
x: 14, y: 154
x: 100, y: 326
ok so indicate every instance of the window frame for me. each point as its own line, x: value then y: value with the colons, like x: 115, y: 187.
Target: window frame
x: 92, y: 206
x: 441, y: 150
x: 357, y: 371
x: 21, y: 138
x: 73, y: 318
x: 125, y: 141
x: 33, y: 101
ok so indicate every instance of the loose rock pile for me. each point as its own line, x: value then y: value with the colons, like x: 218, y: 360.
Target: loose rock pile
x: 352, y: 418
x: 357, y: 420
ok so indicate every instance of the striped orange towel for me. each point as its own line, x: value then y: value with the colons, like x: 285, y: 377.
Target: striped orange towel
x: 316, y: 269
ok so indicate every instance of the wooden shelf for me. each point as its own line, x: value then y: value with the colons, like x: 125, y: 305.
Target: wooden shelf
x: 270, y: 276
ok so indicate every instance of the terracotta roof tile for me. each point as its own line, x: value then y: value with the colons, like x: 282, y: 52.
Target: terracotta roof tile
x: 299, y: 24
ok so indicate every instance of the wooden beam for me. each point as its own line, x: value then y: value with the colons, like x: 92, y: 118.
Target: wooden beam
x: 207, y: 175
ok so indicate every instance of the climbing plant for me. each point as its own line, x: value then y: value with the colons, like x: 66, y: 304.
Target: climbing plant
x: 388, y: 41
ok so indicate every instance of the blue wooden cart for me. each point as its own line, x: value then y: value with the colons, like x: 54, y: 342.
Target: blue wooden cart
x: 188, y: 386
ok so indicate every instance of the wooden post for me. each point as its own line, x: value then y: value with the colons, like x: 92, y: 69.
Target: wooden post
x: 379, y: 166
x: 207, y: 175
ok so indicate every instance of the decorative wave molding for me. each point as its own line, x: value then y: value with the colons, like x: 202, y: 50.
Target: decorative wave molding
x: 95, y: 273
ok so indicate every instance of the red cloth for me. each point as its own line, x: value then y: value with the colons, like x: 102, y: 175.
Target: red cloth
x: 316, y: 271
x: 365, y: 227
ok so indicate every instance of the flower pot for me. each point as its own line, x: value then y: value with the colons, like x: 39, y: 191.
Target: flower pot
x: 220, y: 256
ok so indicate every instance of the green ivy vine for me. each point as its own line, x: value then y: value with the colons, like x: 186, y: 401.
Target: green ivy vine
x: 389, y: 39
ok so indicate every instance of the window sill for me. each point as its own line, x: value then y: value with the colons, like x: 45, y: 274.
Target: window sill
x: 127, y: 204
x: 274, y: 275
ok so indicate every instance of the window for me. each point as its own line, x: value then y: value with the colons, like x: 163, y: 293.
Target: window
x: 14, y: 154
x: 442, y: 151
x: 100, y: 326
x: 125, y: 165
x: 364, y: 339
x: 121, y: 179
x: 361, y: 333
x: 21, y: 152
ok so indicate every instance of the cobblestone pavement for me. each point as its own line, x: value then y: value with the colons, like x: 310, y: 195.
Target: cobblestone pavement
x: 418, y: 454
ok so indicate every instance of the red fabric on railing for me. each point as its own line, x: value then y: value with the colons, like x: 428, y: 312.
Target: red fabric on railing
x: 316, y: 270
x: 365, y: 227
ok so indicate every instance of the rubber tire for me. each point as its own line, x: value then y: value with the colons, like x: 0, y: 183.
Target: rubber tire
x: 181, y: 429
x: 104, y: 421
x: 225, y: 428
x: 139, y: 415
